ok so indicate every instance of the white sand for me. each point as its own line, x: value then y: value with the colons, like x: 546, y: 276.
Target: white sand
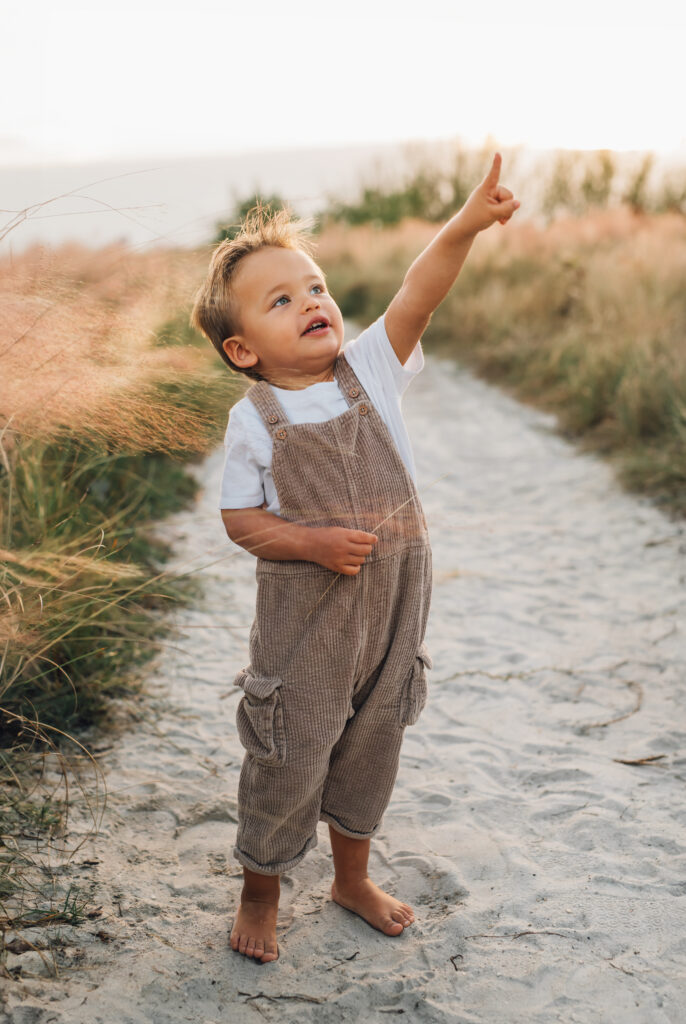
x: 548, y: 880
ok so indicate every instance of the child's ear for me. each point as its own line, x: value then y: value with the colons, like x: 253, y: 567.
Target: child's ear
x: 238, y: 353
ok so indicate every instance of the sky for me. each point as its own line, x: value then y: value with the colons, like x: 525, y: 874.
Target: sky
x: 98, y: 80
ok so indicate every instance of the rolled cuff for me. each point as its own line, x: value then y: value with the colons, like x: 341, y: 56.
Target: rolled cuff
x: 344, y: 831
x: 277, y: 868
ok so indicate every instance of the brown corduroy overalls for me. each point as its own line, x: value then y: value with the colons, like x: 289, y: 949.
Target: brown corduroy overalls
x: 338, y: 663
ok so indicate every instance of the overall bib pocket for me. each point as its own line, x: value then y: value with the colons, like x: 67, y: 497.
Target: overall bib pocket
x: 259, y: 718
x: 414, y: 692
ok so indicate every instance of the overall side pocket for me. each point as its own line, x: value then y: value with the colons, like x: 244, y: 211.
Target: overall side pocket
x: 259, y: 718
x: 414, y: 692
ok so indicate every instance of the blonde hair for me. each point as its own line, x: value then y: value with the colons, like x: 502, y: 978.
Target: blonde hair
x: 215, y: 311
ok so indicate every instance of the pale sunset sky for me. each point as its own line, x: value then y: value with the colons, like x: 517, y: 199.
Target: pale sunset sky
x: 85, y: 81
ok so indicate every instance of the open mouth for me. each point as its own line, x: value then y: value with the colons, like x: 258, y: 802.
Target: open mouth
x: 318, y: 327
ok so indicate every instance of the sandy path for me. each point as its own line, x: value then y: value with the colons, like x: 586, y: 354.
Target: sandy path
x: 548, y: 879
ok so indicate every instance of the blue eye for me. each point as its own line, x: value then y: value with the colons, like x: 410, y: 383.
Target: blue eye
x: 321, y: 289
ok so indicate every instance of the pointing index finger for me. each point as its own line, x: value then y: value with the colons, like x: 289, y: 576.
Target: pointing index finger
x: 491, y: 179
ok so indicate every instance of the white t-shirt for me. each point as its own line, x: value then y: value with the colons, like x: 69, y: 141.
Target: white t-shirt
x: 247, y: 479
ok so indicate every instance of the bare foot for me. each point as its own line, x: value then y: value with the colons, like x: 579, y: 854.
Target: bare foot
x: 254, y: 929
x: 377, y: 908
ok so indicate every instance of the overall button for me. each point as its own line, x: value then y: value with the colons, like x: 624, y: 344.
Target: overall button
x: 272, y: 418
x: 364, y: 410
x: 281, y: 434
x: 354, y: 392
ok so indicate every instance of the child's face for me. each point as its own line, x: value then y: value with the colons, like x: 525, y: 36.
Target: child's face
x: 279, y: 293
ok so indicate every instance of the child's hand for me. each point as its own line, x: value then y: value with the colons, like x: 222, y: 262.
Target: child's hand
x: 488, y: 203
x: 342, y: 550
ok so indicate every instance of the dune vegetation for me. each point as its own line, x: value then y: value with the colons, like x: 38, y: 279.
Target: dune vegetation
x: 106, y: 395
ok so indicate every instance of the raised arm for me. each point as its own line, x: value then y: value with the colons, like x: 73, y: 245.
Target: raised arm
x: 435, y: 270
x: 269, y: 536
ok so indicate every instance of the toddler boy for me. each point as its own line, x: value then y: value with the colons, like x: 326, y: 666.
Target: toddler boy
x: 319, y: 485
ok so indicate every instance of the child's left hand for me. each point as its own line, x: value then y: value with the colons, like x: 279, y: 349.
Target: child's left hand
x: 488, y: 203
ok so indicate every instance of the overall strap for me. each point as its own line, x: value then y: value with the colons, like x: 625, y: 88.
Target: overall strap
x: 348, y: 381
x: 268, y: 406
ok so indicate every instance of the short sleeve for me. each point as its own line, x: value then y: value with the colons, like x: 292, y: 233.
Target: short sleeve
x: 242, y: 484
x: 372, y: 353
x: 403, y: 374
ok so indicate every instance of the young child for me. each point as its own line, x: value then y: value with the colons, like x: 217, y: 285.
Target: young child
x: 319, y: 485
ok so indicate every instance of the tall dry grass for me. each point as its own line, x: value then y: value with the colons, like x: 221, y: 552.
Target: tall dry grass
x: 105, y: 393
x: 78, y: 349
x: 585, y: 317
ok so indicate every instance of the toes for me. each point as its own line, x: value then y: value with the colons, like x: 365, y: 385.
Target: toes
x: 407, y: 914
x: 392, y: 927
x: 255, y: 948
x: 396, y: 918
x: 402, y: 916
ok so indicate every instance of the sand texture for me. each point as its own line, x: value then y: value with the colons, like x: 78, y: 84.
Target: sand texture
x: 548, y: 879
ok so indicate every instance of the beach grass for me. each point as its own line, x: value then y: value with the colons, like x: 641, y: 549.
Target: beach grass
x: 107, y: 396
